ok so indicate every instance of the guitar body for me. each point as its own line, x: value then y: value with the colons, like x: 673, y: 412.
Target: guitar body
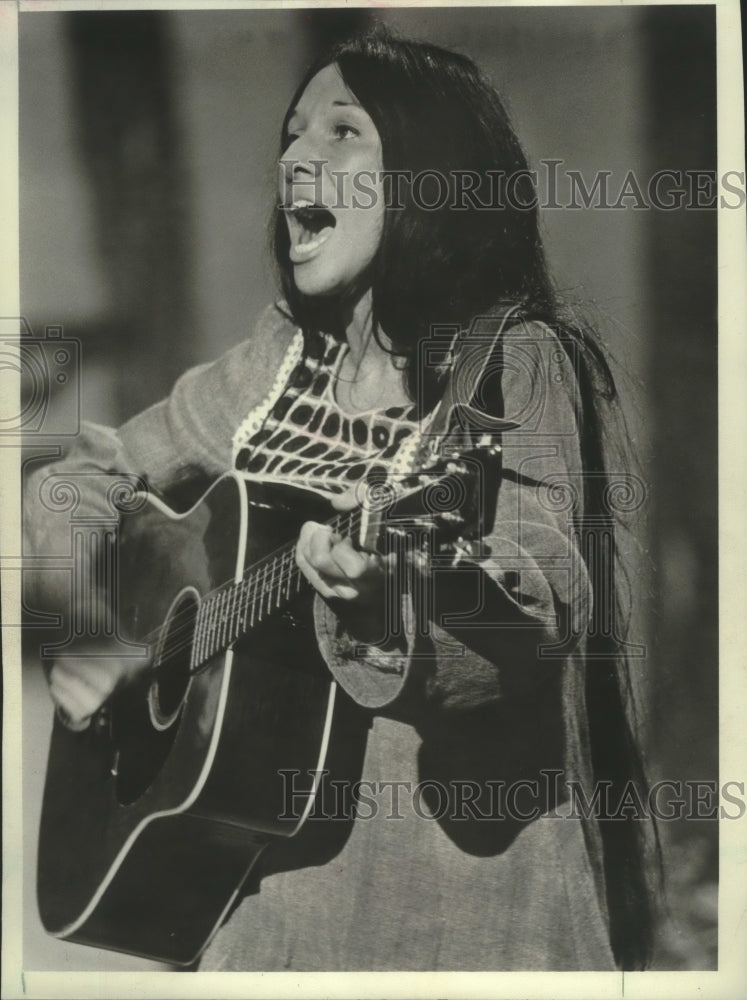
x: 154, y: 816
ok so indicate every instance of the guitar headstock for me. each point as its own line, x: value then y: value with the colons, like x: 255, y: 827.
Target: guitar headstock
x: 447, y: 507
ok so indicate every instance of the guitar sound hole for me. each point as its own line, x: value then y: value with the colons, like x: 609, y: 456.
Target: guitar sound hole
x: 146, y: 721
x: 173, y: 675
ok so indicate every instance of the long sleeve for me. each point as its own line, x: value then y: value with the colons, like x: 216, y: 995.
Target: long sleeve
x: 498, y: 622
x: 186, y: 435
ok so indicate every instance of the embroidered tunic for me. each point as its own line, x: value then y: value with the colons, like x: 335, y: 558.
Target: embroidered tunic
x: 300, y: 436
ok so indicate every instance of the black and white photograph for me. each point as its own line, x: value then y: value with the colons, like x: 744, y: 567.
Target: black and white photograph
x: 373, y: 477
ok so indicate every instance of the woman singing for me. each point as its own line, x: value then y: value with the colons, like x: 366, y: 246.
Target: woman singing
x: 405, y: 205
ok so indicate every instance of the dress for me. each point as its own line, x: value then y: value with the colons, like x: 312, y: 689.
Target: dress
x: 465, y: 852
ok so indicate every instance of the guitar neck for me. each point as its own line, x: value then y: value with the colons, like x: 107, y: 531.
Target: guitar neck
x: 454, y: 497
x: 234, y: 609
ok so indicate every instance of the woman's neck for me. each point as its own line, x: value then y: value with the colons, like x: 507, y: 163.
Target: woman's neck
x: 359, y: 332
x: 369, y: 376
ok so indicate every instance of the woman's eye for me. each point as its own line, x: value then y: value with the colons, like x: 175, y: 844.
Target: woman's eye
x: 345, y: 131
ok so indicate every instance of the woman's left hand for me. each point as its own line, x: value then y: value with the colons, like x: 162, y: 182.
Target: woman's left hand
x: 338, y: 571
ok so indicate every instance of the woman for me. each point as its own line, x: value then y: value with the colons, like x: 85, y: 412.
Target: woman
x: 390, y: 223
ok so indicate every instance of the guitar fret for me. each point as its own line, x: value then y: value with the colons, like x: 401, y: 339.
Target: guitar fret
x: 277, y: 582
x: 202, y: 653
x: 230, y: 601
x: 256, y: 601
x: 225, y: 619
x: 259, y: 576
x: 267, y: 596
x: 228, y: 619
x: 262, y: 584
x: 194, y: 655
x: 207, y: 645
x: 268, y: 586
x: 215, y: 631
x: 239, y: 618
x: 258, y: 592
x: 244, y: 604
x: 214, y: 624
x: 271, y: 587
x: 291, y: 571
x: 278, y: 597
x: 232, y: 614
x: 226, y: 623
x: 205, y: 642
x: 267, y: 590
x: 221, y: 618
x: 252, y: 591
x: 228, y: 615
x: 197, y: 648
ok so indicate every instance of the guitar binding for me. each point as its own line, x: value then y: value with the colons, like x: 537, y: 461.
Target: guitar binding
x: 144, y: 740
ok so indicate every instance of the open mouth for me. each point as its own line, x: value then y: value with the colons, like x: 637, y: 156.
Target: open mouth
x: 310, y: 226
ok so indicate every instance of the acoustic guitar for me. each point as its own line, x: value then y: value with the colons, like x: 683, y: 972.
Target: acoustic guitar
x: 154, y: 816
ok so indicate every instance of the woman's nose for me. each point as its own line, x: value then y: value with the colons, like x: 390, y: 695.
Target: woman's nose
x: 302, y: 156
x: 301, y: 170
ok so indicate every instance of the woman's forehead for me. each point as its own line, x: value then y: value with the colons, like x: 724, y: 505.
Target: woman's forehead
x: 327, y: 87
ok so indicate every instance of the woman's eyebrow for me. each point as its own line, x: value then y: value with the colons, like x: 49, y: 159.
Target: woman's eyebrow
x: 295, y: 113
x: 335, y: 104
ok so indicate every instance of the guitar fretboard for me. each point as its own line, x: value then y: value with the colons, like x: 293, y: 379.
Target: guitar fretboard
x: 235, y: 608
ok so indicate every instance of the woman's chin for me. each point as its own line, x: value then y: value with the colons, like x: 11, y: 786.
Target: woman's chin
x: 315, y: 283
x: 316, y: 289
x: 312, y: 280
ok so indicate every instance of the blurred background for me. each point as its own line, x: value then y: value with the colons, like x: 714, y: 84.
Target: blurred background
x: 148, y: 144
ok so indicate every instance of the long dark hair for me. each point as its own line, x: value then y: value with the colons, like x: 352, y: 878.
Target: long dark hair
x: 435, y: 112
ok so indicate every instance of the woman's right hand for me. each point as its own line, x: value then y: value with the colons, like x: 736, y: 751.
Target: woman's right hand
x: 80, y: 686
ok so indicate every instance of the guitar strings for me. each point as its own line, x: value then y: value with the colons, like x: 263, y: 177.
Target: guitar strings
x: 181, y: 630
x: 183, y: 626
x: 249, y: 603
x: 184, y: 622
x: 345, y: 523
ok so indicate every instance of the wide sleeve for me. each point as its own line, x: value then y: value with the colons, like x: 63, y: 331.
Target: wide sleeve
x: 187, y: 435
x: 488, y: 627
